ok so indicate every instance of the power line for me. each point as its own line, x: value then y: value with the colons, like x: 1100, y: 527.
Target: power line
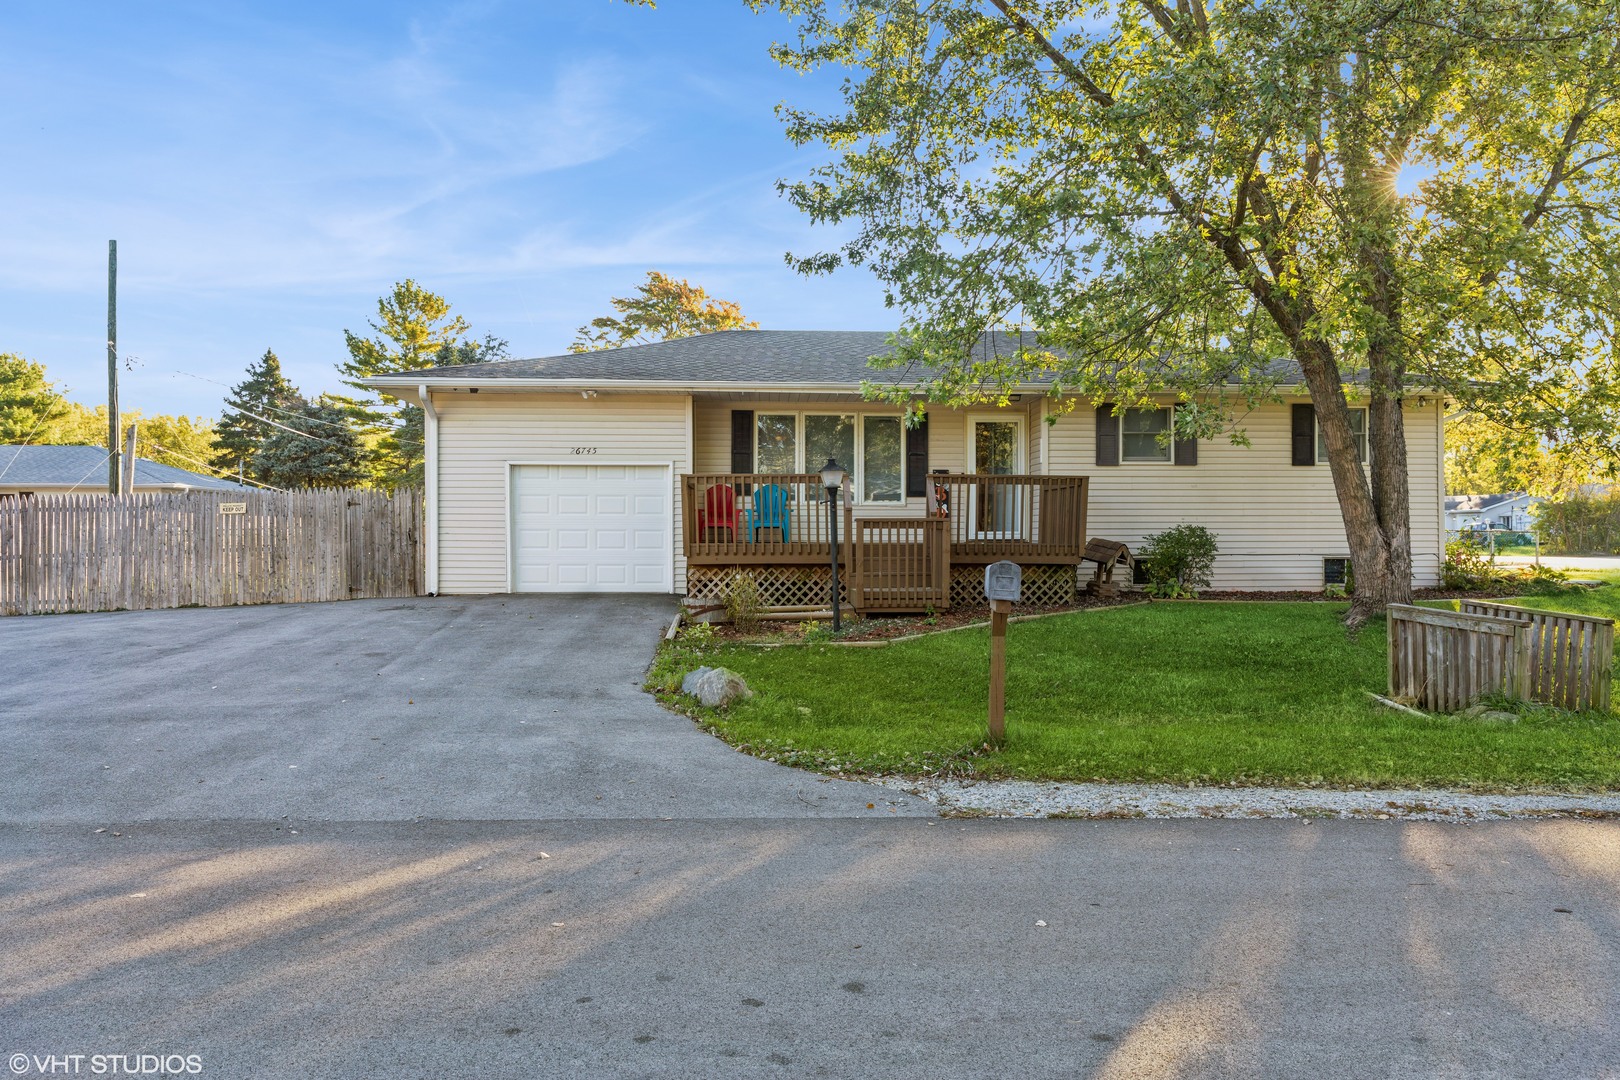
x: 239, y: 408
x: 43, y: 416
x: 104, y: 459
x: 222, y: 473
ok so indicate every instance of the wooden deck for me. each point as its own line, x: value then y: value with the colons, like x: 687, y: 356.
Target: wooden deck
x: 895, y: 558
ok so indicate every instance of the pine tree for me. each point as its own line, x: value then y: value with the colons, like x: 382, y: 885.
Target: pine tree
x: 321, y: 449
x: 244, y: 428
x: 412, y: 327
x: 663, y: 308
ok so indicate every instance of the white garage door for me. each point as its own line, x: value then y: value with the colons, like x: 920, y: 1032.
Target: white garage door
x: 590, y: 528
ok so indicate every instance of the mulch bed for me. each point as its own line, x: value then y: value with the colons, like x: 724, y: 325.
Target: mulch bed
x: 897, y: 626
x: 888, y: 627
x: 1516, y: 589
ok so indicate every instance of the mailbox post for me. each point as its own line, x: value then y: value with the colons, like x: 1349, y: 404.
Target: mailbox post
x: 1003, y: 585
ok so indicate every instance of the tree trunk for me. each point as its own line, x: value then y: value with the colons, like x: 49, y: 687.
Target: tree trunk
x: 1376, y: 517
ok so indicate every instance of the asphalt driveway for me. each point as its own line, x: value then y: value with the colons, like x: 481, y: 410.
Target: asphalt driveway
x: 475, y: 709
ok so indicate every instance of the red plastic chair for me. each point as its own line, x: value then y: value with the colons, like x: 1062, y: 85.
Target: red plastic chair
x: 719, y: 511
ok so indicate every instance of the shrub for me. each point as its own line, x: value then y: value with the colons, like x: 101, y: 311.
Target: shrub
x: 697, y: 634
x: 1179, y: 560
x: 743, y: 602
x: 1467, y: 566
x: 815, y: 633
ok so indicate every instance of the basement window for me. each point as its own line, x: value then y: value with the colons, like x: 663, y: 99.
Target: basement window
x: 1336, y: 573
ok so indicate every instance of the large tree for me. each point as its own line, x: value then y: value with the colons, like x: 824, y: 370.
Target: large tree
x: 412, y: 327
x: 255, y: 406
x: 1485, y: 456
x: 29, y: 403
x: 1388, y: 193
x: 662, y: 308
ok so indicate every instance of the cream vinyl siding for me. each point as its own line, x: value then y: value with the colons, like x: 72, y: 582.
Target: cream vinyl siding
x: 1275, y: 521
x: 479, y: 434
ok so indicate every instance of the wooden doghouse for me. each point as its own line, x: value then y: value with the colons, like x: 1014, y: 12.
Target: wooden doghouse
x: 1107, y: 554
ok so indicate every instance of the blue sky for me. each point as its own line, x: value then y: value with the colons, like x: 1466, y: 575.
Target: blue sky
x: 270, y: 170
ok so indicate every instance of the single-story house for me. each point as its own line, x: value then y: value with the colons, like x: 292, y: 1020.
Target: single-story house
x: 1509, y: 511
x: 82, y: 470
x: 666, y: 467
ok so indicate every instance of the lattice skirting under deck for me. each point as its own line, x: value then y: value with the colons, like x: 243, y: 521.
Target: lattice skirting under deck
x: 1043, y: 585
x: 793, y: 586
x: 779, y: 586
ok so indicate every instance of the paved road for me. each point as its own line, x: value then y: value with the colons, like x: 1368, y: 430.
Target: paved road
x: 1572, y: 563
x: 279, y: 928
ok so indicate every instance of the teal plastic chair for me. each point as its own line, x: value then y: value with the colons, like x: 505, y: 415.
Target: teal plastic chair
x: 771, y: 508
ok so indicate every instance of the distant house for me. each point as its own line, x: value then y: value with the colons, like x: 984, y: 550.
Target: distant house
x: 1510, y: 511
x: 54, y: 470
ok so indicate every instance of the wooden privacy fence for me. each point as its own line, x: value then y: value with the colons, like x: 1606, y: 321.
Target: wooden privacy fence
x: 1571, y: 656
x: 207, y: 548
x: 1447, y: 660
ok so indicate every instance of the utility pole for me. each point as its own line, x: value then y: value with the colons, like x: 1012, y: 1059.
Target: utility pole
x: 127, y: 486
x: 112, y: 367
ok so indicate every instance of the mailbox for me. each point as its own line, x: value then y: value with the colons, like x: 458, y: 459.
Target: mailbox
x: 1004, y: 581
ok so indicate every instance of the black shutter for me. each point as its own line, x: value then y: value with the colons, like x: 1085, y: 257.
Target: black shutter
x: 1186, y: 452
x: 1304, y: 434
x: 1107, y: 435
x: 742, y: 440
x: 917, y: 459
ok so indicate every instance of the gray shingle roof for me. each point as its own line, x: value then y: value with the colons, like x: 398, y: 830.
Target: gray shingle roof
x: 55, y: 466
x: 744, y: 357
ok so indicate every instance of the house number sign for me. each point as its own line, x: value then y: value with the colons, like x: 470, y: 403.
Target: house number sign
x: 584, y: 450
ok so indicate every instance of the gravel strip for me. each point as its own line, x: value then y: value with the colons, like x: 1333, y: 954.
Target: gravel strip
x: 1032, y: 799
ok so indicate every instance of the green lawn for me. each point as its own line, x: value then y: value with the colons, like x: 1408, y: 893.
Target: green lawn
x: 1190, y: 693
x: 1603, y: 602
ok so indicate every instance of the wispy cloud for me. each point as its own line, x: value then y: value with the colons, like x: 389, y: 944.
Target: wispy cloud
x: 267, y: 176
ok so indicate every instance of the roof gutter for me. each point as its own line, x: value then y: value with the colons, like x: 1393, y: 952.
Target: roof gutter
x: 430, y: 484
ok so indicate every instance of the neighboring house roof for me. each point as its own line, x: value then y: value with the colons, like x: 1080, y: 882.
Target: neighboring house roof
x: 86, y: 467
x: 1467, y: 504
x: 763, y: 358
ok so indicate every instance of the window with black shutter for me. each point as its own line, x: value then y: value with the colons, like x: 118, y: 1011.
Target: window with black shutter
x: 1304, y: 431
x: 1107, y: 435
x: 917, y: 459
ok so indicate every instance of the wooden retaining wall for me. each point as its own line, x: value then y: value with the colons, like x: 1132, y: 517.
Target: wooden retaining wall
x: 63, y: 553
x: 1571, y: 656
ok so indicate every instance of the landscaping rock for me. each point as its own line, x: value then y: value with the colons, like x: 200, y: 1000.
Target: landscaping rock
x: 693, y: 677
x: 719, y: 687
x: 1489, y: 715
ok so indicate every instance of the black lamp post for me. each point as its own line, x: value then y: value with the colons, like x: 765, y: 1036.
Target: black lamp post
x: 832, y: 477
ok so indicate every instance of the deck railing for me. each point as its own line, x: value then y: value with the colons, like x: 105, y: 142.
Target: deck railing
x: 780, y: 518
x: 783, y: 518
x: 1013, y: 516
x: 900, y: 564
